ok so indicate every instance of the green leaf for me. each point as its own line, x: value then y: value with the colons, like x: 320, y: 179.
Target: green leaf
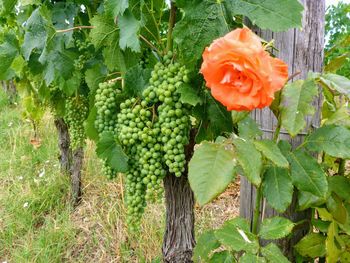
x: 273, y: 254
x: 222, y: 257
x: 307, y: 200
x: 188, y: 95
x: 202, y: 22
x: 307, y: 174
x: 210, y: 171
x: 332, y: 251
x: 8, y: 52
x: 340, y: 185
x: 89, y: 125
x: 313, y: 245
x: 333, y: 140
x: 6, y: 6
x: 111, y: 151
x: 278, y: 188
x: 267, y: 15
x: 136, y: 80
x: 206, y: 243
x: 320, y: 225
x: 236, y: 235
x: 104, y: 32
x: 251, y: 258
x: 337, y: 82
x: 340, y: 117
x: 336, y: 207
x: 297, y: 98
x: 238, y: 116
x: 129, y: 30
x: 35, y: 33
x: 249, y: 159
x: 271, y: 151
x: 116, y: 8
x: 248, y: 128
x: 94, y: 75
x: 275, y: 228
x: 337, y: 62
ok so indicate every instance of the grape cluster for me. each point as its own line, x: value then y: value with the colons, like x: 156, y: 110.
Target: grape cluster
x: 106, y: 119
x: 154, y: 131
x: 106, y: 105
x: 85, y: 50
x: 75, y: 115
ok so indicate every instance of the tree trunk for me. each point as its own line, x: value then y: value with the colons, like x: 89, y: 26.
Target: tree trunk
x: 78, y: 156
x: 65, y: 157
x: 302, y: 50
x: 179, y: 238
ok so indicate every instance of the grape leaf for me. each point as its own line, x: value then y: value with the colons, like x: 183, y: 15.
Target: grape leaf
x: 188, y: 95
x: 129, y: 30
x: 104, y: 32
x: 202, y: 23
x: 8, y: 52
x: 108, y: 149
x: 136, y: 80
x: 269, y: 15
x: 116, y: 8
x: 35, y: 33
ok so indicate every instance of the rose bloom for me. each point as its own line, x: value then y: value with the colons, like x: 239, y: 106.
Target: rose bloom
x: 240, y: 73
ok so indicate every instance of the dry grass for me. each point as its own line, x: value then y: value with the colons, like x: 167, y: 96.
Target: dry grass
x: 49, y: 230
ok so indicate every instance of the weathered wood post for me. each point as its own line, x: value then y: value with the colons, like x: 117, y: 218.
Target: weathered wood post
x: 302, y: 50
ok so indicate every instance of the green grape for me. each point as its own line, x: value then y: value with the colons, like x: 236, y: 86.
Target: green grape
x: 153, y: 131
x: 75, y: 115
x: 106, y: 118
x: 108, y: 171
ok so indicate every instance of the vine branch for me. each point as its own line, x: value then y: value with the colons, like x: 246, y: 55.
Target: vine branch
x: 74, y: 28
x: 172, y: 18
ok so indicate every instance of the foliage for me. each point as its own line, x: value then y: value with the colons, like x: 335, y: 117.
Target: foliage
x: 275, y: 169
x: 61, y: 51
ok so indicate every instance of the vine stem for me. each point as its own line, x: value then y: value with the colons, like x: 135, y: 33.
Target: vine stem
x: 169, y: 44
x: 256, y: 216
x: 74, y: 28
x: 149, y: 44
x: 341, y: 168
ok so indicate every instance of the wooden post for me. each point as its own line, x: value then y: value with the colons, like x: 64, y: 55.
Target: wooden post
x: 302, y: 50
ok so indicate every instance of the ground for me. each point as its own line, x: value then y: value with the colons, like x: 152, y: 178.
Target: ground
x: 37, y: 223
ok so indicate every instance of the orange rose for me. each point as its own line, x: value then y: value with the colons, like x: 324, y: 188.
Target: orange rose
x: 240, y: 73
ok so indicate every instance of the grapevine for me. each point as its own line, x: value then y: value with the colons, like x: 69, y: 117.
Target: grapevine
x: 154, y: 131
x: 106, y: 119
x: 75, y: 115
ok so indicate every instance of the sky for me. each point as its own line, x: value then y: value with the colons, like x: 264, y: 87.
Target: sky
x: 332, y: 2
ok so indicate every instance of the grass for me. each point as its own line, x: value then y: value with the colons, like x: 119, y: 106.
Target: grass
x: 37, y: 223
